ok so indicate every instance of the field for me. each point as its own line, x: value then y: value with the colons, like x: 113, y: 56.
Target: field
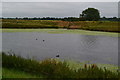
x: 16, y: 66
x: 107, y: 26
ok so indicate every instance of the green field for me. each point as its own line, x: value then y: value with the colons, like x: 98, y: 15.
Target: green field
x: 107, y: 26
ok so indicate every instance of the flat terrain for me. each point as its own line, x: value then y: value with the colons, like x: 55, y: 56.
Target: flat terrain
x: 107, y: 26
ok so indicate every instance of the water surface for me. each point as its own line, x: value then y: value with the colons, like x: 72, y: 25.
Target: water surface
x: 83, y: 48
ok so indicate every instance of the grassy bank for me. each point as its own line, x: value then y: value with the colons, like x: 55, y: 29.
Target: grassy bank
x: 52, y: 68
x: 107, y: 26
x: 13, y: 73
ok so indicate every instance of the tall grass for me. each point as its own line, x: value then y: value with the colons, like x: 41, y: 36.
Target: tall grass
x: 109, y: 26
x: 52, y: 68
x: 12, y: 73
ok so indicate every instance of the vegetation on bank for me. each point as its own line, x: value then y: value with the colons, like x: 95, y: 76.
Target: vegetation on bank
x: 52, y: 68
x: 107, y: 26
x: 13, y: 73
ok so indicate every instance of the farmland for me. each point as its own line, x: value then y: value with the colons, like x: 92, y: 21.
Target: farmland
x: 106, y: 26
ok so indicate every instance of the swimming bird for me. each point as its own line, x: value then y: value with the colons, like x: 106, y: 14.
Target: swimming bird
x: 43, y: 40
x: 36, y: 39
x: 57, y: 55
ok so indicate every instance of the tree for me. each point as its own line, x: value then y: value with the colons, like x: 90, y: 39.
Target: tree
x: 90, y: 14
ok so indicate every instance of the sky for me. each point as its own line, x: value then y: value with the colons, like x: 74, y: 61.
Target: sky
x: 60, y: 0
x: 56, y: 9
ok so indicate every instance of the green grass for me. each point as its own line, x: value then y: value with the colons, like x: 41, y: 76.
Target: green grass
x: 0, y: 65
x: 11, y: 73
x: 107, y: 26
x: 52, y: 68
x: 0, y: 72
x: 63, y: 31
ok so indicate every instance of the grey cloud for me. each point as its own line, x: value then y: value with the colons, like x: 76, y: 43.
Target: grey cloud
x: 56, y: 9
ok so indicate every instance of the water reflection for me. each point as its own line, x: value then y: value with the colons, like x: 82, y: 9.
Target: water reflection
x: 100, y: 49
x: 89, y: 42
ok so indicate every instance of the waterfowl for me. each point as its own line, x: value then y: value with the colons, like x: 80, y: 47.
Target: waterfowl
x: 57, y: 55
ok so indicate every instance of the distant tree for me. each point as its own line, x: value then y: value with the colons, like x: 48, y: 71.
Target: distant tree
x: 114, y: 17
x: 104, y: 17
x: 26, y: 18
x: 16, y: 18
x: 90, y: 14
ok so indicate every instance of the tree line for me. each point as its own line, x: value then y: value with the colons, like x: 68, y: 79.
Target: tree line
x: 66, y: 18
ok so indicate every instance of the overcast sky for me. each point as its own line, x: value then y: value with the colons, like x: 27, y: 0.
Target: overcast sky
x: 60, y: 0
x: 56, y: 9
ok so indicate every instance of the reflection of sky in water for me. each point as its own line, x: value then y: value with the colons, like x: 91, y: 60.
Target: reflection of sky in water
x: 89, y: 42
x: 77, y: 47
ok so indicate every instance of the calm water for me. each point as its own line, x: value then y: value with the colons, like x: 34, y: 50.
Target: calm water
x: 96, y: 49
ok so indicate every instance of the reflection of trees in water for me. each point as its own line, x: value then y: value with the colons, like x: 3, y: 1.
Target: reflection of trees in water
x: 89, y: 42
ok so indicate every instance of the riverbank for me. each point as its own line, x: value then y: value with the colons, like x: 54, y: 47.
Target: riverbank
x: 104, y: 26
x: 13, y: 73
x: 53, y: 68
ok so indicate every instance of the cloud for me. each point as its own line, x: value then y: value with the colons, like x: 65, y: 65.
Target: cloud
x: 56, y: 9
x: 60, y: 0
x: 0, y: 9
